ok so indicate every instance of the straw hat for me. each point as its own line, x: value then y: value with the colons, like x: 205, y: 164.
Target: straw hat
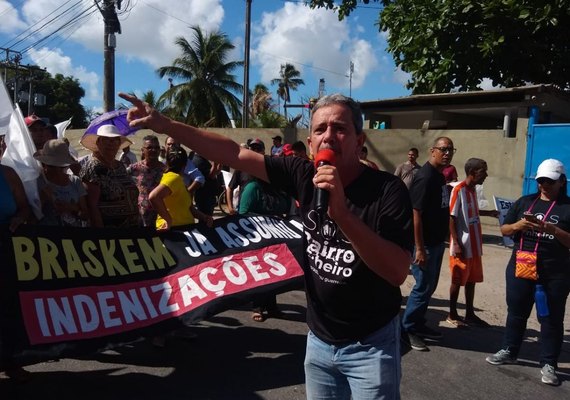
x: 55, y: 153
x: 89, y: 140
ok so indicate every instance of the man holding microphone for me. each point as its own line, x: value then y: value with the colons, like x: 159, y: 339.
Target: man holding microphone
x: 357, y: 250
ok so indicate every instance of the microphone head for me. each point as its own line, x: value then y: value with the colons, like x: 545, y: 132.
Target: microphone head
x: 325, y: 156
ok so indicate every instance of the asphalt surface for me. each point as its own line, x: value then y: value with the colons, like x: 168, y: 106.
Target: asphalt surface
x: 234, y: 357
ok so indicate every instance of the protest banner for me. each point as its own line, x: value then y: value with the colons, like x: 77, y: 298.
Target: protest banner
x: 503, y: 205
x: 69, y: 292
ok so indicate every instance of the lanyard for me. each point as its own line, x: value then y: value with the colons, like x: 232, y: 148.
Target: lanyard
x: 544, y: 219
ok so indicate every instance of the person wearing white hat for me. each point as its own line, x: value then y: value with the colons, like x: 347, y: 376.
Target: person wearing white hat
x: 111, y: 192
x: 63, y: 196
x: 540, y: 223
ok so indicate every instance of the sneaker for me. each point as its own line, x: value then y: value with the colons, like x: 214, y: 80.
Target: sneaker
x: 502, y: 356
x: 549, y: 375
x: 427, y: 333
x: 416, y: 342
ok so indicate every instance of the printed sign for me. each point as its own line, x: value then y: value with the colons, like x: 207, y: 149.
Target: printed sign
x: 503, y: 206
x: 72, y: 291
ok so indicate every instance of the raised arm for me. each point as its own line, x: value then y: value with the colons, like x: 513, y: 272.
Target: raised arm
x: 211, y: 145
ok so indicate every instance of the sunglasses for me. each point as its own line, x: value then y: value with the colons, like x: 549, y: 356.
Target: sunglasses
x: 542, y: 181
x: 446, y: 150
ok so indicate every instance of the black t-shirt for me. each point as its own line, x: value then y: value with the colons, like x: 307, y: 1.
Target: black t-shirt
x: 211, y: 185
x: 430, y: 195
x: 346, y: 301
x: 553, y: 257
x: 239, y: 178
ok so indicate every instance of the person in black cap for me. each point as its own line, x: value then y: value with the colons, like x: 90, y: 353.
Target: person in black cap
x: 277, y: 147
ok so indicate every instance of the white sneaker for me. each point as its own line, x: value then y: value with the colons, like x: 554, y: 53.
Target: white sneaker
x: 549, y: 375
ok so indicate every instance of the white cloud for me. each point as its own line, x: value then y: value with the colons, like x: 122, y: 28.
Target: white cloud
x: 401, y: 76
x: 149, y: 29
x: 151, y: 26
x: 315, y: 42
x: 11, y: 21
x: 57, y: 63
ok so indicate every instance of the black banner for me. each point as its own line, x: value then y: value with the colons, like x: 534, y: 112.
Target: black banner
x: 68, y: 292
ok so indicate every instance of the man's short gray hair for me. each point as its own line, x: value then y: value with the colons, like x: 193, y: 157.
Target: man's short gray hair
x: 338, y: 98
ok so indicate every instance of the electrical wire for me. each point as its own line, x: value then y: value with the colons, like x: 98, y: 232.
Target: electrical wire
x: 35, y: 31
x: 11, y: 7
x: 66, y: 24
x: 64, y: 34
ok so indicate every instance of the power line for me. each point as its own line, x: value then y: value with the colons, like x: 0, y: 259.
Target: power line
x: 165, y: 13
x: 303, y: 64
x: 11, y: 7
x: 67, y: 31
x: 70, y: 22
x: 31, y: 27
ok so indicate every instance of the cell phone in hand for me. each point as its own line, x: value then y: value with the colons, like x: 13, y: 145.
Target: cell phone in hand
x: 530, y: 217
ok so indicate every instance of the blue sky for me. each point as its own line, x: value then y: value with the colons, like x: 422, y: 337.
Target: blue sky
x: 282, y: 31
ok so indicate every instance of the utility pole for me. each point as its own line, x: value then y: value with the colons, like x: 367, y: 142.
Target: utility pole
x: 351, y: 71
x: 245, y: 103
x: 321, y: 87
x: 170, y: 86
x: 112, y: 26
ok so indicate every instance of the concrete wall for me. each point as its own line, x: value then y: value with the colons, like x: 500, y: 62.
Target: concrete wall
x: 388, y: 148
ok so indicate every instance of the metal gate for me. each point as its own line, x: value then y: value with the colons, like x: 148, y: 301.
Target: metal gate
x: 545, y: 141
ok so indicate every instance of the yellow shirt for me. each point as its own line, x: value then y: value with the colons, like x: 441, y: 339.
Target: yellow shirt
x: 178, y: 203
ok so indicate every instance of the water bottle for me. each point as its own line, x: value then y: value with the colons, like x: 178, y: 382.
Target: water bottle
x: 540, y: 301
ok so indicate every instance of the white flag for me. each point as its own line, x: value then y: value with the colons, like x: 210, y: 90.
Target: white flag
x: 61, y: 127
x: 5, y: 109
x: 19, y: 155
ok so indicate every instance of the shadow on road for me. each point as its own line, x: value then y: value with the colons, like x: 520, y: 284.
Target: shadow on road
x: 228, y: 360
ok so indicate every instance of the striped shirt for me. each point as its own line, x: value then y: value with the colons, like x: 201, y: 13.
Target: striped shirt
x: 463, y: 206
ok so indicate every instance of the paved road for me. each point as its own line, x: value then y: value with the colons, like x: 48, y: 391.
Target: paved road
x: 237, y: 358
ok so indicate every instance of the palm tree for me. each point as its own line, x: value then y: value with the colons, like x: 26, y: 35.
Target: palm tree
x: 268, y: 119
x: 288, y: 80
x: 260, y: 100
x: 148, y: 97
x: 205, y: 92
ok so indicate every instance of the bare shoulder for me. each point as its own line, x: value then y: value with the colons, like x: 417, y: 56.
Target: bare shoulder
x: 10, y: 175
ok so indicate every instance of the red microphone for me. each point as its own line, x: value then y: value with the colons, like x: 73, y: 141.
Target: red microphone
x: 323, y: 157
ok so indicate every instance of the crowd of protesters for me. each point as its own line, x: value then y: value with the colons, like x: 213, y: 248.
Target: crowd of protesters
x: 169, y: 188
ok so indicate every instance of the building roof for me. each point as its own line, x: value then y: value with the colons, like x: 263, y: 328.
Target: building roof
x: 506, y: 95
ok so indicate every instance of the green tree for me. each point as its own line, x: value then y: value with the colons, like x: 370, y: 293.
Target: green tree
x: 63, y: 99
x: 447, y: 44
x: 205, y: 90
x: 150, y: 98
x: 343, y: 9
x: 289, y: 79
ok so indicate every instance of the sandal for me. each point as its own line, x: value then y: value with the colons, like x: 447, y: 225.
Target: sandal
x: 458, y: 323
x: 258, y: 316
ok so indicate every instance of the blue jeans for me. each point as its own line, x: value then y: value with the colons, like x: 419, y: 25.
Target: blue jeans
x: 426, y: 283
x: 520, y: 299
x: 368, y: 369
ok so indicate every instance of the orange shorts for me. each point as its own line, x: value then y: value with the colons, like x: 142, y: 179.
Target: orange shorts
x: 466, y: 270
